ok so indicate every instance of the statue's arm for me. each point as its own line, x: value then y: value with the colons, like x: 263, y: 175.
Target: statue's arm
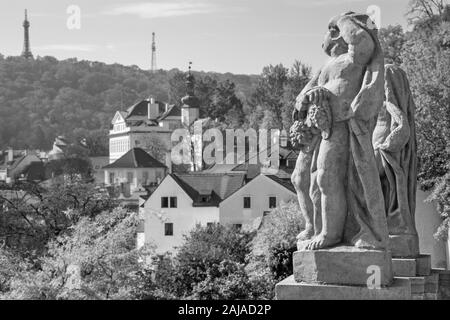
x: 400, y: 130
x: 301, y: 102
x: 359, y: 41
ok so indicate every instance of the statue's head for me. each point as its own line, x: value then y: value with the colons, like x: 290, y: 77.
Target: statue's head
x: 335, y: 44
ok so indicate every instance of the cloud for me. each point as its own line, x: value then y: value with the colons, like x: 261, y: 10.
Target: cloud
x: 163, y: 9
x: 67, y: 47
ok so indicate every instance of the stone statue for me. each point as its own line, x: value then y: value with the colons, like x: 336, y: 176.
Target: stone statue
x: 394, y: 141
x: 336, y: 175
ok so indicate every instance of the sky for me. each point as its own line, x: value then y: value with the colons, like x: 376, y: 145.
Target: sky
x: 237, y: 36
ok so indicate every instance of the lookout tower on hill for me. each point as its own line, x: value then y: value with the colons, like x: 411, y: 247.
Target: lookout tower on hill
x: 26, y: 53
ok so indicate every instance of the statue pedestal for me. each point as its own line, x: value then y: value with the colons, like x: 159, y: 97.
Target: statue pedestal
x: 404, y: 246
x: 342, y: 265
x: 412, y: 267
x: 289, y: 289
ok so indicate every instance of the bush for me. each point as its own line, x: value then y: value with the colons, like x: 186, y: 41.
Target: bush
x: 276, y: 240
x: 441, y: 196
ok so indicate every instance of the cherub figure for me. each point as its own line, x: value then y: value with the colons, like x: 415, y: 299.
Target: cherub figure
x: 336, y: 169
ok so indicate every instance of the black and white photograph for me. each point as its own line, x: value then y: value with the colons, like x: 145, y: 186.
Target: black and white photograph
x: 221, y: 158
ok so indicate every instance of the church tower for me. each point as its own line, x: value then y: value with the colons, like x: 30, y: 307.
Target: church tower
x: 26, y: 53
x: 190, y: 109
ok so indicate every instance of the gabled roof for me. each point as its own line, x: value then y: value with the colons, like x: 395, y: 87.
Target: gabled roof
x: 173, y: 111
x: 284, y: 182
x: 135, y: 158
x: 209, y: 189
x: 140, y: 109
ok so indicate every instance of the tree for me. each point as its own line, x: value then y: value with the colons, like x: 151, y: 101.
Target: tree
x: 34, y: 215
x: 392, y: 40
x: 97, y: 259
x: 274, y: 97
x: 426, y: 59
x: 209, y: 265
x: 226, y: 106
x: 276, y: 241
x: 424, y: 9
x: 441, y: 197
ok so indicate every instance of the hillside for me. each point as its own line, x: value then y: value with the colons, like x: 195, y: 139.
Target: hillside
x: 43, y: 98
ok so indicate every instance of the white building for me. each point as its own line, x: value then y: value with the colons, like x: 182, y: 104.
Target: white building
x: 140, y: 125
x: 135, y: 168
x: 182, y: 201
x: 254, y: 199
x: 150, y: 122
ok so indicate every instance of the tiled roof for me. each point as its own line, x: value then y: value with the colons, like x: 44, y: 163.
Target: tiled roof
x: 209, y: 189
x: 139, y: 111
x: 136, y: 158
x: 141, y: 108
x: 173, y: 111
x: 284, y: 182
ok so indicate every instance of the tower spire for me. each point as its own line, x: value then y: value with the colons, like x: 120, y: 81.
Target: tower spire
x: 153, y: 68
x: 26, y: 53
x: 190, y: 109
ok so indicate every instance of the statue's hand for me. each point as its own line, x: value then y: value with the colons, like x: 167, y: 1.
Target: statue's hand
x: 301, y: 102
x: 317, y: 95
x: 295, y: 114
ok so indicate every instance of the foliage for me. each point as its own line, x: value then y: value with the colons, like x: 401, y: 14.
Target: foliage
x: 419, y: 10
x: 205, y: 247
x: 426, y: 59
x: 276, y: 241
x: 97, y: 259
x: 441, y: 196
x: 33, y: 215
x: 272, y: 102
x: 392, y: 40
x: 78, y: 99
x: 211, y: 264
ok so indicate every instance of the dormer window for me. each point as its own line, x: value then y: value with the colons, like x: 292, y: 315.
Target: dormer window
x: 205, y: 198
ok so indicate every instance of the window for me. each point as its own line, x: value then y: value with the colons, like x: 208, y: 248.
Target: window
x: 272, y: 202
x: 145, y: 177
x: 237, y: 226
x: 173, y: 202
x: 130, y: 177
x: 168, y: 229
x: 247, y: 203
x: 164, y: 202
x: 111, y: 177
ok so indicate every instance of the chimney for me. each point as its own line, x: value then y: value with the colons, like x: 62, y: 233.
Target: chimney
x: 167, y: 107
x: 153, y: 109
x: 169, y: 162
x: 10, y: 155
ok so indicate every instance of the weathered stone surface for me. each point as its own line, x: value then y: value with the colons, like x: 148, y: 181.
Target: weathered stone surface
x: 431, y: 296
x: 444, y: 283
x: 289, y: 289
x: 404, y: 267
x: 336, y: 162
x: 394, y: 140
x: 417, y: 284
x: 411, y: 267
x: 341, y: 265
x: 423, y: 265
x: 404, y: 246
x: 432, y: 283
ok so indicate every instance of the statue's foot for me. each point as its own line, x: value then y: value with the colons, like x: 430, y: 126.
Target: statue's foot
x: 320, y: 242
x: 306, y: 234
